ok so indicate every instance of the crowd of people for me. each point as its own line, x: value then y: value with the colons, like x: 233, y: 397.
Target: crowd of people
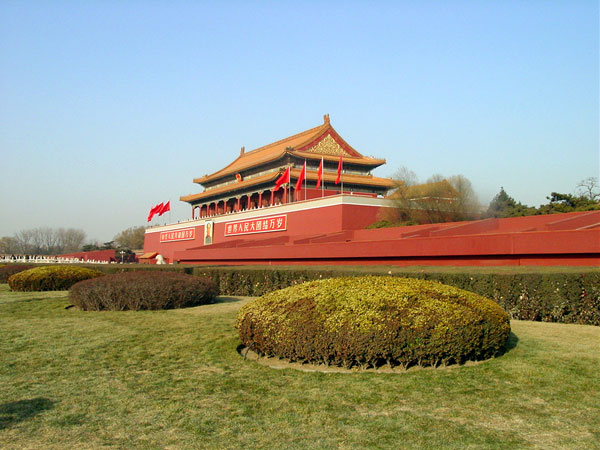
x: 46, y: 259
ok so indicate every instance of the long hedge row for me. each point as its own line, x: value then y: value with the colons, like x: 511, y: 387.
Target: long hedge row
x: 550, y: 295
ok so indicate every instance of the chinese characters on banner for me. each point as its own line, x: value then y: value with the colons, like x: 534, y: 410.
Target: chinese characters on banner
x: 178, y: 235
x: 262, y: 225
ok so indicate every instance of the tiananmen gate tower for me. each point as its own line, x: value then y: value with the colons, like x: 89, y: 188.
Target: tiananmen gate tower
x: 249, y: 181
x: 255, y: 211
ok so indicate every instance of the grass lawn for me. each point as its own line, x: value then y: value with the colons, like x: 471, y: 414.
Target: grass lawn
x: 173, y: 379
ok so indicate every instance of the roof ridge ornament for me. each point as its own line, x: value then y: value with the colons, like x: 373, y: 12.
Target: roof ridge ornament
x: 326, y: 119
x: 242, y: 151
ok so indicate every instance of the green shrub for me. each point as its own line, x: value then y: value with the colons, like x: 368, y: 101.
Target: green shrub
x: 142, y: 291
x: 50, y: 278
x: 369, y: 321
x: 7, y: 270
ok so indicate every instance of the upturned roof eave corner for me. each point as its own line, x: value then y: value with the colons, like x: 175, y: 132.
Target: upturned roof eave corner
x: 207, y: 177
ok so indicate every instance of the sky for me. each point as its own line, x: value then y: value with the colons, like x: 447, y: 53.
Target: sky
x: 110, y: 107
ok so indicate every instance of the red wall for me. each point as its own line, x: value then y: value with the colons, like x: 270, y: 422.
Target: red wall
x: 318, y: 221
x: 336, y: 235
x: 576, y: 247
x: 96, y: 255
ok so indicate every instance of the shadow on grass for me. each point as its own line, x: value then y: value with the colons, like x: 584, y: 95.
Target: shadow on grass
x: 224, y: 299
x: 244, y: 351
x: 12, y: 413
x: 510, y: 343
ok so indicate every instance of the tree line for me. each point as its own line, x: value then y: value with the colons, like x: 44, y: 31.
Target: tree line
x: 585, y: 198
x: 50, y: 241
x: 452, y: 199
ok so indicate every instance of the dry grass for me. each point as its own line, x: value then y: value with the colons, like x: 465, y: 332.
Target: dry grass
x: 173, y: 379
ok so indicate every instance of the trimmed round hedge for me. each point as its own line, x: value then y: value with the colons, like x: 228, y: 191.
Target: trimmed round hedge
x: 50, y: 278
x: 143, y: 290
x: 6, y: 271
x: 371, y: 321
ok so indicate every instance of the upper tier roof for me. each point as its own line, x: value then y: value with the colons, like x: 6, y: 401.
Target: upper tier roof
x: 322, y: 141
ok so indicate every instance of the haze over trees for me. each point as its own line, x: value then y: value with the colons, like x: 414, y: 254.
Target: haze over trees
x: 43, y: 241
x: 438, y: 199
x: 452, y: 199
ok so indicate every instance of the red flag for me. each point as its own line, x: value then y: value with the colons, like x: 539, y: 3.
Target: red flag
x: 320, y: 174
x: 154, y: 210
x: 301, y: 177
x: 166, y: 207
x: 285, y: 178
x: 339, y: 171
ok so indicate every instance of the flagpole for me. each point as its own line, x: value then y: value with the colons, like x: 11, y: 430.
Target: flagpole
x: 342, y: 174
x: 305, y: 179
x: 322, y: 178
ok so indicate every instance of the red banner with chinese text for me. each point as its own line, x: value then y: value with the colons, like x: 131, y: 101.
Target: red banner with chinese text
x: 178, y: 235
x: 262, y: 225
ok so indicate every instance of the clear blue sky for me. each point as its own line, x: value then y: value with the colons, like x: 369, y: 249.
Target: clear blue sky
x: 107, y: 108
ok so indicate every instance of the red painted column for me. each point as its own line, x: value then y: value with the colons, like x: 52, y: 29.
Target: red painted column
x: 238, y: 205
x: 272, y: 198
x: 260, y: 199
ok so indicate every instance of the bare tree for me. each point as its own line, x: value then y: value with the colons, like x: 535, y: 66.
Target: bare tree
x: 46, y: 241
x: 589, y: 189
x: 8, y: 245
x: 70, y: 240
x: 24, y: 241
x: 405, y: 176
x: 131, y: 238
x: 403, y: 179
x: 467, y: 204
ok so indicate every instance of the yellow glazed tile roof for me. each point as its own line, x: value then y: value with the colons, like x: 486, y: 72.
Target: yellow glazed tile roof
x: 297, y: 145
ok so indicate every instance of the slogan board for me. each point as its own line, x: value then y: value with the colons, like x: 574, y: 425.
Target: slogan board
x: 251, y: 226
x: 178, y: 235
